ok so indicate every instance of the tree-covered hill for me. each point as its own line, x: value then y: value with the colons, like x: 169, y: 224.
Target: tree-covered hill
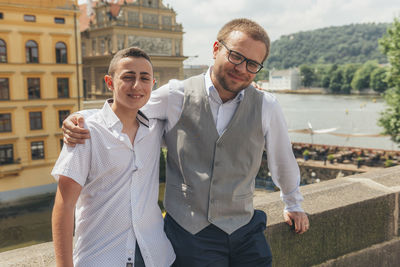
x: 355, y: 43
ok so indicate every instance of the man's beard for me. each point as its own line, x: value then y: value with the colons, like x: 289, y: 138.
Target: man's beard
x: 224, y: 84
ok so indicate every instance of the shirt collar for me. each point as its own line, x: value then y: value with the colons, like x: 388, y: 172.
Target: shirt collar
x: 210, y: 86
x: 111, y: 120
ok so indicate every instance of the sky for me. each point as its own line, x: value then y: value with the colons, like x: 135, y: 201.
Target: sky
x: 201, y: 19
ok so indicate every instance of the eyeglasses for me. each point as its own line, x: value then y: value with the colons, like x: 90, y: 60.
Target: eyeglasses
x: 237, y: 59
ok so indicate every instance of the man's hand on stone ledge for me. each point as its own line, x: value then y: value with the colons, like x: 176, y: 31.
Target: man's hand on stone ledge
x: 73, y: 131
x: 300, y: 220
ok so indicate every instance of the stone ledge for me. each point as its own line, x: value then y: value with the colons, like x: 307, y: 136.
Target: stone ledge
x: 32, y: 256
x: 354, y: 222
x: 384, y: 254
x: 346, y: 215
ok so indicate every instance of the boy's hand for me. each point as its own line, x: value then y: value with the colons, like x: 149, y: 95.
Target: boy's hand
x: 73, y: 131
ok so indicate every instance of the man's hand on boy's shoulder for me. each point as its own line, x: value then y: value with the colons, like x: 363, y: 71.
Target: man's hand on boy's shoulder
x: 74, y: 131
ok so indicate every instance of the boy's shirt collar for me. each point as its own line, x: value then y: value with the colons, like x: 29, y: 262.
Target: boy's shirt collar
x: 111, y: 120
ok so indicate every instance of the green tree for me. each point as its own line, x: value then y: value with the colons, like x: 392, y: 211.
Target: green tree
x: 390, y: 45
x: 348, y: 73
x: 307, y: 75
x: 378, y: 80
x: 263, y: 74
x: 336, y: 81
x: 362, y: 76
x: 326, y: 79
x: 320, y: 74
x: 337, y: 44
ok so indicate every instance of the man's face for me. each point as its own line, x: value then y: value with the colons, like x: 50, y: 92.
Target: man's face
x: 228, y: 77
x: 131, y: 83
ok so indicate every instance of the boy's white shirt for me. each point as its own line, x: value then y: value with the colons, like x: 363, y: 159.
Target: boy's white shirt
x: 118, y: 203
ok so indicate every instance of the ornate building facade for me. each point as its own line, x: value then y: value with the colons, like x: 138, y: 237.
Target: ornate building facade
x: 40, y: 74
x: 148, y: 24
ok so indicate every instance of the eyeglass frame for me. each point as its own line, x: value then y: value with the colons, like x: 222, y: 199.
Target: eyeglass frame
x: 244, y: 59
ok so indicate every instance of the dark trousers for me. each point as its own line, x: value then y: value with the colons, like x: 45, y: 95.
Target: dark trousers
x: 139, y: 262
x: 211, y: 246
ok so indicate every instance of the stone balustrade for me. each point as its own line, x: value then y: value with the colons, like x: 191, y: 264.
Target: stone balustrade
x: 354, y: 222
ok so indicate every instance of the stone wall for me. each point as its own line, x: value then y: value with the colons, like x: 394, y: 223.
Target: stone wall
x: 354, y: 222
x: 352, y: 219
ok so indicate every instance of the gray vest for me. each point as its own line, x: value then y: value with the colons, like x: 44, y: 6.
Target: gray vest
x: 210, y: 178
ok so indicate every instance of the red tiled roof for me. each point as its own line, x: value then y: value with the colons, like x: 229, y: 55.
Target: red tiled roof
x: 84, y: 19
x: 114, y: 9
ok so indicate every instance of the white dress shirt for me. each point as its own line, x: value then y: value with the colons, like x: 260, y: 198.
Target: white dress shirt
x: 118, y: 204
x: 166, y: 103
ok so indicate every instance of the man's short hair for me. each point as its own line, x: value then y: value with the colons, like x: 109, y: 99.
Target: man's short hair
x: 249, y: 27
x: 127, y: 52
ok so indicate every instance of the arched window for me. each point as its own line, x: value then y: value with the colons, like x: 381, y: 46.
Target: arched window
x: 61, y: 52
x: 32, y: 52
x: 3, y: 51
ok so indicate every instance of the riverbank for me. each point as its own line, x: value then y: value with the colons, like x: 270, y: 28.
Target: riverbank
x: 323, y: 91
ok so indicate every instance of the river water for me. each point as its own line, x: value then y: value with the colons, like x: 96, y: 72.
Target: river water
x: 350, y: 114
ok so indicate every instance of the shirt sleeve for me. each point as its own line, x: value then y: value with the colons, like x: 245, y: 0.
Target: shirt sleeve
x: 74, y: 162
x: 157, y: 106
x: 281, y: 161
x: 166, y: 103
x: 87, y: 112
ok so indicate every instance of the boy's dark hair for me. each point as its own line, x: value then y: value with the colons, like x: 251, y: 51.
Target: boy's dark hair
x: 127, y: 52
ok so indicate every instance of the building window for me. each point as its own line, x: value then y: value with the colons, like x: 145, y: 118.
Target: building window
x: 100, y: 18
x: 83, y: 49
x: 102, y: 47
x: 37, y: 150
x: 4, y: 89
x: 32, y: 52
x: 61, y: 52
x: 62, y: 114
x: 33, y: 88
x: 85, y: 93
x: 109, y: 45
x: 35, y: 120
x: 59, y: 20
x: 94, y: 47
x: 6, y: 154
x: 5, y: 122
x: 3, y: 51
x: 121, y: 41
x: 62, y: 87
x: 30, y: 18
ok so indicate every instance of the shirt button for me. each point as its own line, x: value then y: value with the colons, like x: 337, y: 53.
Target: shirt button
x: 212, y: 201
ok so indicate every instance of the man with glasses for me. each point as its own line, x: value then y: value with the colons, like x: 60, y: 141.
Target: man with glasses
x: 217, y: 126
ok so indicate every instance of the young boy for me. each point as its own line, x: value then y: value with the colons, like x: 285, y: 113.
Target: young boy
x: 113, y: 179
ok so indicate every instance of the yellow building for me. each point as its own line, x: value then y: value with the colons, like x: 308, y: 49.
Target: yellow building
x: 115, y: 25
x: 40, y: 83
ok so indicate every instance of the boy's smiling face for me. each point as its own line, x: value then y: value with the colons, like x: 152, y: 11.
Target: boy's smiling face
x: 131, y: 83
